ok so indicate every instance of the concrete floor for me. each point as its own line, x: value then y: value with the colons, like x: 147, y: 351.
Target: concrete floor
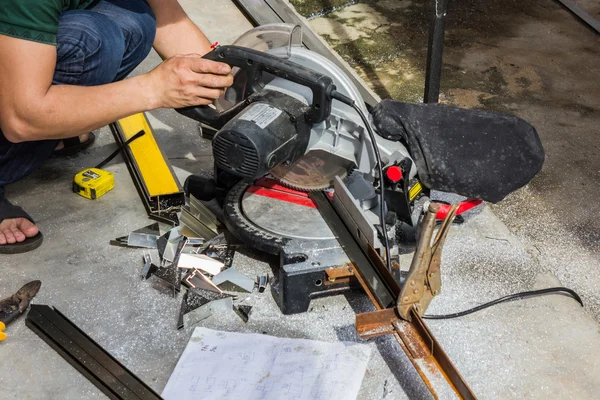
x: 541, y: 348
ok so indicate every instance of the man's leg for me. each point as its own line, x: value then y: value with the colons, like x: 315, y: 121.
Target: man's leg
x: 94, y: 47
x: 138, y: 25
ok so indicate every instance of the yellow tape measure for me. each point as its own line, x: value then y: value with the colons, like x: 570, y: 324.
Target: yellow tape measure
x: 93, y: 183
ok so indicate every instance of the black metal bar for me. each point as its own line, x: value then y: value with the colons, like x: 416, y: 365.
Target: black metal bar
x: 592, y: 22
x: 435, y: 52
x: 88, y: 357
x: 383, y: 291
x: 261, y: 12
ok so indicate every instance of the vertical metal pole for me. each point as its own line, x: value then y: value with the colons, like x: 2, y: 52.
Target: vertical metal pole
x: 435, y: 51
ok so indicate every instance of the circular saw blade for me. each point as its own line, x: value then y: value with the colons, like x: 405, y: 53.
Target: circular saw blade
x: 316, y: 170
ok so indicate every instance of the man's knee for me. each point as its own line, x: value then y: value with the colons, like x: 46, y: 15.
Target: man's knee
x: 138, y: 23
x: 90, y: 48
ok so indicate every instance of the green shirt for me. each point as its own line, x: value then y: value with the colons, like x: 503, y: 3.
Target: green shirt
x: 35, y: 20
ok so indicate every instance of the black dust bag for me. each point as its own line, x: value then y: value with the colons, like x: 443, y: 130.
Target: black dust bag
x: 478, y: 154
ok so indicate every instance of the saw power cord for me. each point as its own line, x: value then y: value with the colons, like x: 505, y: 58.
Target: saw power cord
x: 116, y: 152
x: 510, y: 297
x: 347, y: 100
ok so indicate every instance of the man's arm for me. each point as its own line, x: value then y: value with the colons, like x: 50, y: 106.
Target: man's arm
x: 31, y: 108
x: 173, y: 24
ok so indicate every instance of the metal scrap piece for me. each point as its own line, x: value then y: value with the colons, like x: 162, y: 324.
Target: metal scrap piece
x: 232, y: 280
x: 196, y: 298
x: 171, y: 275
x: 197, y: 280
x: 203, y: 214
x: 224, y: 252
x: 120, y: 241
x: 207, y: 310
x: 203, y: 262
x: 167, y: 245
x: 243, y: 311
x: 149, y: 268
x: 188, y: 219
x: 145, y: 237
x: 261, y: 282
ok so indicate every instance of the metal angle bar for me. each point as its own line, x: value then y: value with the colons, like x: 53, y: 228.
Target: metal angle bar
x: 196, y: 226
x: 441, y: 358
x: 582, y: 14
x: 415, y: 339
x: 261, y: 12
x: 85, y: 355
x: 355, y: 213
x: 208, y: 218
x: 382, y: 293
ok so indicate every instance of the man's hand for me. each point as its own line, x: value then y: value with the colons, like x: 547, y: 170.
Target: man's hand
x: 188, y: 80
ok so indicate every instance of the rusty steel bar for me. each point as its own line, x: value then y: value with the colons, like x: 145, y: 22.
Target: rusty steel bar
x: 420, y: 345
x: 427, y: 356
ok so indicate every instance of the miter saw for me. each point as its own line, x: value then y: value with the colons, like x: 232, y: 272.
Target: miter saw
x: 293, y: 122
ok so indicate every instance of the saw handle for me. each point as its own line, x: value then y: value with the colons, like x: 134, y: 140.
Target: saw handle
x: 254, y: 63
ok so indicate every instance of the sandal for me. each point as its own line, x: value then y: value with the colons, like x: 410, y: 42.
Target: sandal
x: 8, y: 211
x: 74, y: 145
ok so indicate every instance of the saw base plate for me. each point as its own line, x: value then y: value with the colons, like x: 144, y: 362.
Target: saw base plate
x: 287, y: 224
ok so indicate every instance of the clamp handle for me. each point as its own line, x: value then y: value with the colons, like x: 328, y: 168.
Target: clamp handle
x: 255, y: 63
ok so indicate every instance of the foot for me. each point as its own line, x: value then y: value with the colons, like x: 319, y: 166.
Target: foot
x: 82, y: 139
x: 15, y: 230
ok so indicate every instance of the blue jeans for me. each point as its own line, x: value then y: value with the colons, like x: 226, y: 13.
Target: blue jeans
x: 93, y: 47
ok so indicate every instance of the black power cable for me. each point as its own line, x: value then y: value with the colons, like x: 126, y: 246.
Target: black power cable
x: 510, y: 297
x: 116, y: 152
x: 347, y: 100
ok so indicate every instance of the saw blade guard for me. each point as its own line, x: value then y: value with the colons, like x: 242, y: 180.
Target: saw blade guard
x: 285, y: 41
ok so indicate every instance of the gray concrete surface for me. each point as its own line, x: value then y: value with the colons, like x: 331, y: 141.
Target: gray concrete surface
x: 541, y: 348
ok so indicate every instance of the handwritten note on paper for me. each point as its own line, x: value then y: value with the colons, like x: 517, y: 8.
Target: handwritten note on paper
x: 249, y: 366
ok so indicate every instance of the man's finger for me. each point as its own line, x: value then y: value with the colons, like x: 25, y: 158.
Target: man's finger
x: 208, y: 93
x: 213, y: 81
x: 203, y: 66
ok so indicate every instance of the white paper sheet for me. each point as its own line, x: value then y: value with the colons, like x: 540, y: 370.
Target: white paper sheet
x: 249, y: 366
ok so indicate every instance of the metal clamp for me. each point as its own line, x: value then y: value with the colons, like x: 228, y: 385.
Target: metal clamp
x: 424, y: 280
